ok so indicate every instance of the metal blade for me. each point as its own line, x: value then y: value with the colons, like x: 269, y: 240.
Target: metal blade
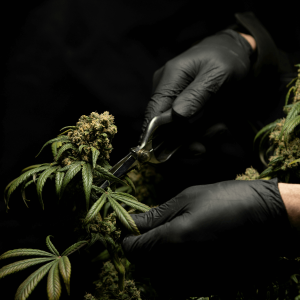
x: 122, y: 169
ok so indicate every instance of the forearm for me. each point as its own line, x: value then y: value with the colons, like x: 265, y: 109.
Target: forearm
x: 290, y: 194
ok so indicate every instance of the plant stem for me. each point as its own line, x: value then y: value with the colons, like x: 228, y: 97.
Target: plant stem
x: 119, y: 267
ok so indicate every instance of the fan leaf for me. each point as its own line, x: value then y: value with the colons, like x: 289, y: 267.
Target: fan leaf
x: 34, y: 166
x: 110, y: 241
x: 290, y: 126
x: 95, y: 155
x: 287, y: 97
x: 72, y: 127
x: 123, y: 216
x: 64, y: 132
x: 294, y: 161
x: 65, y: 271
x: 132, y: 203
x: 61, y: 138
x: 74, y: 169
x: 268, y: 127
x: 81, y: 147
x: 51, y: 246
x: 31, y: 281
x: 21, y: 265
x: 53, y: 282
x: 54, y: 149
x: 41, y: 182
x: 7, y: 187
x: 64, y: 148
x: 24, y: 186
x: 23, y: 177
x: 59, y: 176
x: 87, y: 179
x: 95, y: 208
x: 293, y: 112
x: 130, y: 183
x: 23, y: 252
x: 109, y: 176
x: 74, y: 248
x: 98, y: 189
x: 276, y: 160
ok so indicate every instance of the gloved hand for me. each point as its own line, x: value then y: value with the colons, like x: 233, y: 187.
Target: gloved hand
x: 187, y: 81
x: 210, y: 236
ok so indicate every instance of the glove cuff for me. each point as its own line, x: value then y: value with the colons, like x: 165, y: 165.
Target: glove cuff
x: 266, y: 58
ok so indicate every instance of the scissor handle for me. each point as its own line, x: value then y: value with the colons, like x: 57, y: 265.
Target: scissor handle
x: 164, y: 118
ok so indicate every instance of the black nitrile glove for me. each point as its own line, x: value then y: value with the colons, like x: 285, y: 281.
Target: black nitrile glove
x: 187, y: 81
x: 211, y: 236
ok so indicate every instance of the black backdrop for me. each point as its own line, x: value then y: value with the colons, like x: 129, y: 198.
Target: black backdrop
x: 63, y: 59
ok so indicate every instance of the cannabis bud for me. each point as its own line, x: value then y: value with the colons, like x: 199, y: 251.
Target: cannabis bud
x: 94, y: 131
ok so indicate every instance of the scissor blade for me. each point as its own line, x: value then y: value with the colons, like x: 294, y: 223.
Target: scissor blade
x: 128, y: 164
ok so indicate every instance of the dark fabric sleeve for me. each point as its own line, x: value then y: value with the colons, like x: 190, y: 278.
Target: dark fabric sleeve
x: 268, y: 59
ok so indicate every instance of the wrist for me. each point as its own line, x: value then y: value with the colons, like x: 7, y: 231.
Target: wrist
x: 290, y: 194
x: 249, y: 39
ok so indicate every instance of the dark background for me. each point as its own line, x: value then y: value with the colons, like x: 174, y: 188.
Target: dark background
x: 63, y: 59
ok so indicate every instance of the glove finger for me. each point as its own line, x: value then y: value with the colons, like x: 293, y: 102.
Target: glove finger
x: 170, y: 82
x: 194, y: 97
x: 156, y: 78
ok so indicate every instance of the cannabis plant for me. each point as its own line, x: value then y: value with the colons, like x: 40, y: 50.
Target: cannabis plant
x: 284, y: 151
x: 284, y: 159
x: 84, y: 148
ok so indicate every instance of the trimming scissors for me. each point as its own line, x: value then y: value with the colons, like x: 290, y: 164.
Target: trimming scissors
x: 153, y: 149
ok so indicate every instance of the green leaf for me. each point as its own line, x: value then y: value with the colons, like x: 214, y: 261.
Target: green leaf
x: 291, y: 82
x: 293, y: 112
x: 290, y: 126
x: 124, y: 189
x: 95, y: 208
x: 65, y: 271
x: 98, y: 189
x: 110, y: 241
x: 123, y: 216
x: 61, y: 138
x: 51, y: 246
x: 105, y: 209
x: 120, y: 194
x: 132, y: 203
x: 74, y: 248
x: 23, y: 252
x: 59, y: 176
x: 294, y: 278
x: 21, y: 265
x: 54, y: 149
x: 23, y: 192
x: 7, y: 187
x: 64, y: 148
x: 108, y: 176
x: 94, y: 239
x: 81, y: 147
x: 104, y: 255
x: 72, y: 127
x: 31, y: 282
x: 276, y: 160
x: 288, y: 93
x: 294, y: 161
x: 41, y: 181
x: 130, y: 183
x: 64, y: 132
x: 66, y: 168
x: 23, y: 177
x: 95, y: 154
x: 268, y: 127
x: 87, y: 179
x: 266, y: 172
x: 33, y: 167
x: 53, y: 282
x: 75, y: 168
